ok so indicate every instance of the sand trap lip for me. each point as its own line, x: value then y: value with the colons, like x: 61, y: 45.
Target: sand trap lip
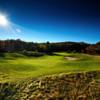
x: 70, y: 58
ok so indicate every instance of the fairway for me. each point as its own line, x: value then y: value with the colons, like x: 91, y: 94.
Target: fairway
x: 14, y: 67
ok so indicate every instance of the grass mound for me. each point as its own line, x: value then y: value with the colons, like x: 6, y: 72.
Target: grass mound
x: 17, y: 66
x: 75, y: 86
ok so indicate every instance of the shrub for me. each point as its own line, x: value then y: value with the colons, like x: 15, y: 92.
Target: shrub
x: 34, y: 54
x: 2, y: 54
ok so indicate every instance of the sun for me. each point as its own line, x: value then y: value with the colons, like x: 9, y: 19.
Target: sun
x: 3, y: 20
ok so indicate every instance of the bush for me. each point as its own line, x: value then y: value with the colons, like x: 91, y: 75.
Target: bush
x: 34, y: 54
x: 2, y: 54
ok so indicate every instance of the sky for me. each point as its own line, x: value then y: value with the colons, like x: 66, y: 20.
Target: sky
x: 51, y: 20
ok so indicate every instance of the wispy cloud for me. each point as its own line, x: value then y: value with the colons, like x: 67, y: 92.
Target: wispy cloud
x: 18, y: 30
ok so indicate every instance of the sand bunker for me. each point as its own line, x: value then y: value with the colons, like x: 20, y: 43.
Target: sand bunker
x: 70, y: 58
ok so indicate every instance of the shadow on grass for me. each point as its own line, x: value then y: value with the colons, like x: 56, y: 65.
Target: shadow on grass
x: 54, y: 54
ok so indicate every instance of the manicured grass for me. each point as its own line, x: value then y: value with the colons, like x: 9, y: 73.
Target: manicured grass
x: 14, y: 66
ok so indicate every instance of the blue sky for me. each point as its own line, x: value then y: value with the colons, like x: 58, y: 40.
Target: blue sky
x: 51, y: 20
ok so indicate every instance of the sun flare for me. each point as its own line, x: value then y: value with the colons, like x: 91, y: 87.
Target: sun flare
x: 3, y: 20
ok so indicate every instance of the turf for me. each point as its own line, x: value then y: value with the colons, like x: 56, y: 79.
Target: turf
x: 14, y: 67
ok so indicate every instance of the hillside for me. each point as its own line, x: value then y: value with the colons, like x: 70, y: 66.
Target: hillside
x: 61, y: 76
x: 15, y: 66
x: 75, y: 86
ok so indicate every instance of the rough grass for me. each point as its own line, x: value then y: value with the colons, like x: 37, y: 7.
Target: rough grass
x: 76, y: 86
x: 14, y: 67
x: 22, y: 77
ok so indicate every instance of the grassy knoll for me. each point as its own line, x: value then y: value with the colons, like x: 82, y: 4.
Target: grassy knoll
x: 15, y: 66
x: 75, y: 86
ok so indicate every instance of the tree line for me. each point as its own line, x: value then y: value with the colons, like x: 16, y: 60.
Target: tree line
x: 20, y: 46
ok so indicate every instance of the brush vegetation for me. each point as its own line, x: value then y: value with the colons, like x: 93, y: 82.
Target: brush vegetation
x: 75, y: 86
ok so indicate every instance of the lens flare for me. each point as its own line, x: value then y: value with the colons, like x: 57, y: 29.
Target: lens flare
x: 3, y: 20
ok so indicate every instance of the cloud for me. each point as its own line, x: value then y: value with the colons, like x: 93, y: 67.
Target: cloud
x: 18, y: 30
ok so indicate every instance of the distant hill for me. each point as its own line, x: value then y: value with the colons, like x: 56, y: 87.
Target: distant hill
x: 20, y: 46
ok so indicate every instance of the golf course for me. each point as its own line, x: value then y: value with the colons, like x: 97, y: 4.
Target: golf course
x: 60, y: 76
x: 15, y: 66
